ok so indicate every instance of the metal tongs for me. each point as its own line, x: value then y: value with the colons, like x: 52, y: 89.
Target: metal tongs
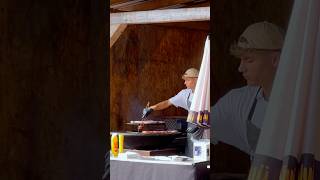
x: 140, y: 127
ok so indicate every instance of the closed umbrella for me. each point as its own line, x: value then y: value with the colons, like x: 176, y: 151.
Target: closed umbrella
x: 289, y: 143
x: 200, y: 106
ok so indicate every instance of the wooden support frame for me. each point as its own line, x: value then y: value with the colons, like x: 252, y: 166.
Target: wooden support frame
x: 151, y: 5
x: 161, y: 16
x: 115, y: 32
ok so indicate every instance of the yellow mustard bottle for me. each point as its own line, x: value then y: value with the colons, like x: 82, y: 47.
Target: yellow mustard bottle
x: 114, y: 145
x: 121, y: 141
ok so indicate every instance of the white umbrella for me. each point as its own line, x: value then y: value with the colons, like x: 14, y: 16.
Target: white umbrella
x: 289, y: 143
x: 200, y: 106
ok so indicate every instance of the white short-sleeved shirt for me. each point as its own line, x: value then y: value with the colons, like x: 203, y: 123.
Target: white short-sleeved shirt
x: 182, y: 98
x: 230, y: 114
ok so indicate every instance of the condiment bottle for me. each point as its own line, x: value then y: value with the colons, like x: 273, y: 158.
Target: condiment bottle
x: 114, y: 145
x: 121, y: 140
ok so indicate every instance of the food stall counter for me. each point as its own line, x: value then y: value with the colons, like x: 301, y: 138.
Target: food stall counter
x: 157, y: 168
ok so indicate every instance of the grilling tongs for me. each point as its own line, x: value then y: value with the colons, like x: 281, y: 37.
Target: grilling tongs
x: 140, y: 127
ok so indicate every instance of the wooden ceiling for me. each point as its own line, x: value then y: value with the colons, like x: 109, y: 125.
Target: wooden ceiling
x: 145, y: 5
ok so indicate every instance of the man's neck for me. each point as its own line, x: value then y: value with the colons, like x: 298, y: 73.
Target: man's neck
x: 266, y: 90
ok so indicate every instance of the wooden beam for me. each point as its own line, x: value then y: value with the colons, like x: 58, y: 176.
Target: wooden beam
x: 112, y: 2
x: 161, y: 16
x: 127, y: 3
x: 200, y: 4
x: 115, y: 32
x: 115, y: 11
x: 151, y: 5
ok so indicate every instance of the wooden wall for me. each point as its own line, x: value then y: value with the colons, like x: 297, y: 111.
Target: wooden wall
x: 53, y: 95
x: 229, y: 19
x: 146, y: 64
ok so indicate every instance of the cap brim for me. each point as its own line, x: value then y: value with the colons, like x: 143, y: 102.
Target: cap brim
x: 184, y: 77
x: 237, y: 51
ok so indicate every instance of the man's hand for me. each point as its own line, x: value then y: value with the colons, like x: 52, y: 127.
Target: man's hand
x: 146, y: 112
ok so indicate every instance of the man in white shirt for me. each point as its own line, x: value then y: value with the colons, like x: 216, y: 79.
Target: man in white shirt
x: 237, y: 117
x: 183, y: 99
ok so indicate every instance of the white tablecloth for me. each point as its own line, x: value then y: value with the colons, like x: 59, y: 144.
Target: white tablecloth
x: 142, y: 169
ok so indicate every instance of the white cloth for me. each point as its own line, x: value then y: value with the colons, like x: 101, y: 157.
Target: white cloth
x: 201, y: 101
x: 181, y: 99
x: 288, y: 146
x: 230, y: 114
x: 292, y: 125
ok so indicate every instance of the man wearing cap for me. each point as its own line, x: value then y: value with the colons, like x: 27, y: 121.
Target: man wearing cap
x: 238, y: 116
x: 183, y: 99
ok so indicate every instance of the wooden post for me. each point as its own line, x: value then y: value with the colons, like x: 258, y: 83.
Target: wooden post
x: 161, y: 16
x: 115, y: 32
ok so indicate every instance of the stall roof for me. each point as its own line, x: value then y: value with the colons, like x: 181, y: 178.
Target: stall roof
x: 192, y: 14
x: 144, y: 5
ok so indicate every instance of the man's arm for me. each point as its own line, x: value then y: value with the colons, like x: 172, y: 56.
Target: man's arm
x: 161, y: 105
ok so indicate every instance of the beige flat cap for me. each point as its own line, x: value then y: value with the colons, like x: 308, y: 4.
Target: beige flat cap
x: 190, y: 73
x: 259, y: 36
